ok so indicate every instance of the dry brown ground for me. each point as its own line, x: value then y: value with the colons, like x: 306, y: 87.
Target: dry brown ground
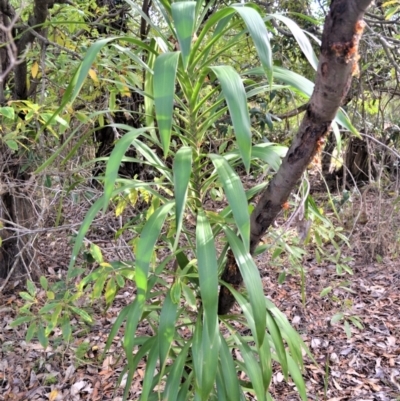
x: 365, y: 366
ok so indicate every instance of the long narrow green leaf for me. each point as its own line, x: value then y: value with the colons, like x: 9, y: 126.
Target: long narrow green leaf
x: 228, y: 372
x: 295, y: 342
x: 115, y: 158
x: 278, y: 343
x: 236, y: 195
x: 221, y: 18
x: 87, y: 221
x: 165, y: 68
x: 301, y: 39
x: 297, y: 378
x: 343, y: 119
x: 175, y: 376
x: 183, y: 14
x: 197, y: 354
x: 259, y: 34
x: 263, y: 350
x: 305, y: 87
x: 183, y: 394
x: 82, y: 72
x: 145, y: 248
x: 152, y: 158
x: 252, y: 281
x: 151, y: 364
x: 148, y: 87
x: 210, y: 354
x: 166, y: 329
x: 182, y: 169
x: 252, y: 368
x: 235, y: 95
x: 208, y: 271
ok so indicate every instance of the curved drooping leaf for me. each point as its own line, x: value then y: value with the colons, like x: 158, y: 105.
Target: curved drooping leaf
x: 259, y: 34
x: 236, y: 196
x: 175, y: 377
x: 253, y: 369
x: 252, y: 281
x: 115, y: 158
x: 165, y: 68
x: 301, y: 39
x: 183, y: 14
x: 235, y: 95
x: 304, y: 87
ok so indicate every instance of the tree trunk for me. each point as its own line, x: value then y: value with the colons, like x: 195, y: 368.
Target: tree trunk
x: 17, y: 213
x: 337, y: 64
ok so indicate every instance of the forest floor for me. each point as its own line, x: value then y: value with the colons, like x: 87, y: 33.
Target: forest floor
x: 364, y: 365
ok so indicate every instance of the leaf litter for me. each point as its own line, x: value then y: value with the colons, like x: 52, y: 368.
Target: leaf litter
x: 362, y: 366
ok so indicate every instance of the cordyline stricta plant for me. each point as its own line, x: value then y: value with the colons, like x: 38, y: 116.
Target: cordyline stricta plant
x: 190, y: 261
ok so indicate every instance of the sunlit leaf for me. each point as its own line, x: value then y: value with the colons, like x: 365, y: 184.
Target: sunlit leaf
x: 165, y: 68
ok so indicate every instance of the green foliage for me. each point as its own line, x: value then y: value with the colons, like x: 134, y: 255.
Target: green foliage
x: 47, y: 308
x: 187, y: 331
x: 181, y: 244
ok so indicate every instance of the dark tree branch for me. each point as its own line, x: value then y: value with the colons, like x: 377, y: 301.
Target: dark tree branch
x: 292, y: 113
x: 337, y: 64
x: 35, y: 22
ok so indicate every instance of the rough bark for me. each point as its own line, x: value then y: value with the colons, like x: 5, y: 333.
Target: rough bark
x: 337, y: 64
x: 17, y: 214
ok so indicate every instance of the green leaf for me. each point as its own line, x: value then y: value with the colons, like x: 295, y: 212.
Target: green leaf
x: 297, y: 378
x: 252, y: 368
x: 83, y: 314
x: 7, y: 112
x: 343, y: 119
x: 210, y: 355
x: 189, y: 296
x: 111, y: 291
x: 32, y: 329
x: 235, y: 96
x: 167, y: 327
x: 325, y: 291
x: 269, y: 153
x: 259, y: 34
x: 182, y: 169
x: 31, y: 287
x: 301, y: 39
x: 183, y: 14
x: 27, y: 297
x: 21, y: 320
x: 145, y: 248
x: 347, y: 329
x: 165, y: 68
x: 66, y: 329
x: 43, y: 340
x: 252, y: 281
x: 115, y: 158
x: 12, y: 144
x: 44, y: 283
x: 208, y: 271
x: 228, y: 372
x: 96, y: 253
x: 175, y: 376
x: 278, y: 343
x: 236, y: 196
x: 337, y: 317
x: 148, y: 382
